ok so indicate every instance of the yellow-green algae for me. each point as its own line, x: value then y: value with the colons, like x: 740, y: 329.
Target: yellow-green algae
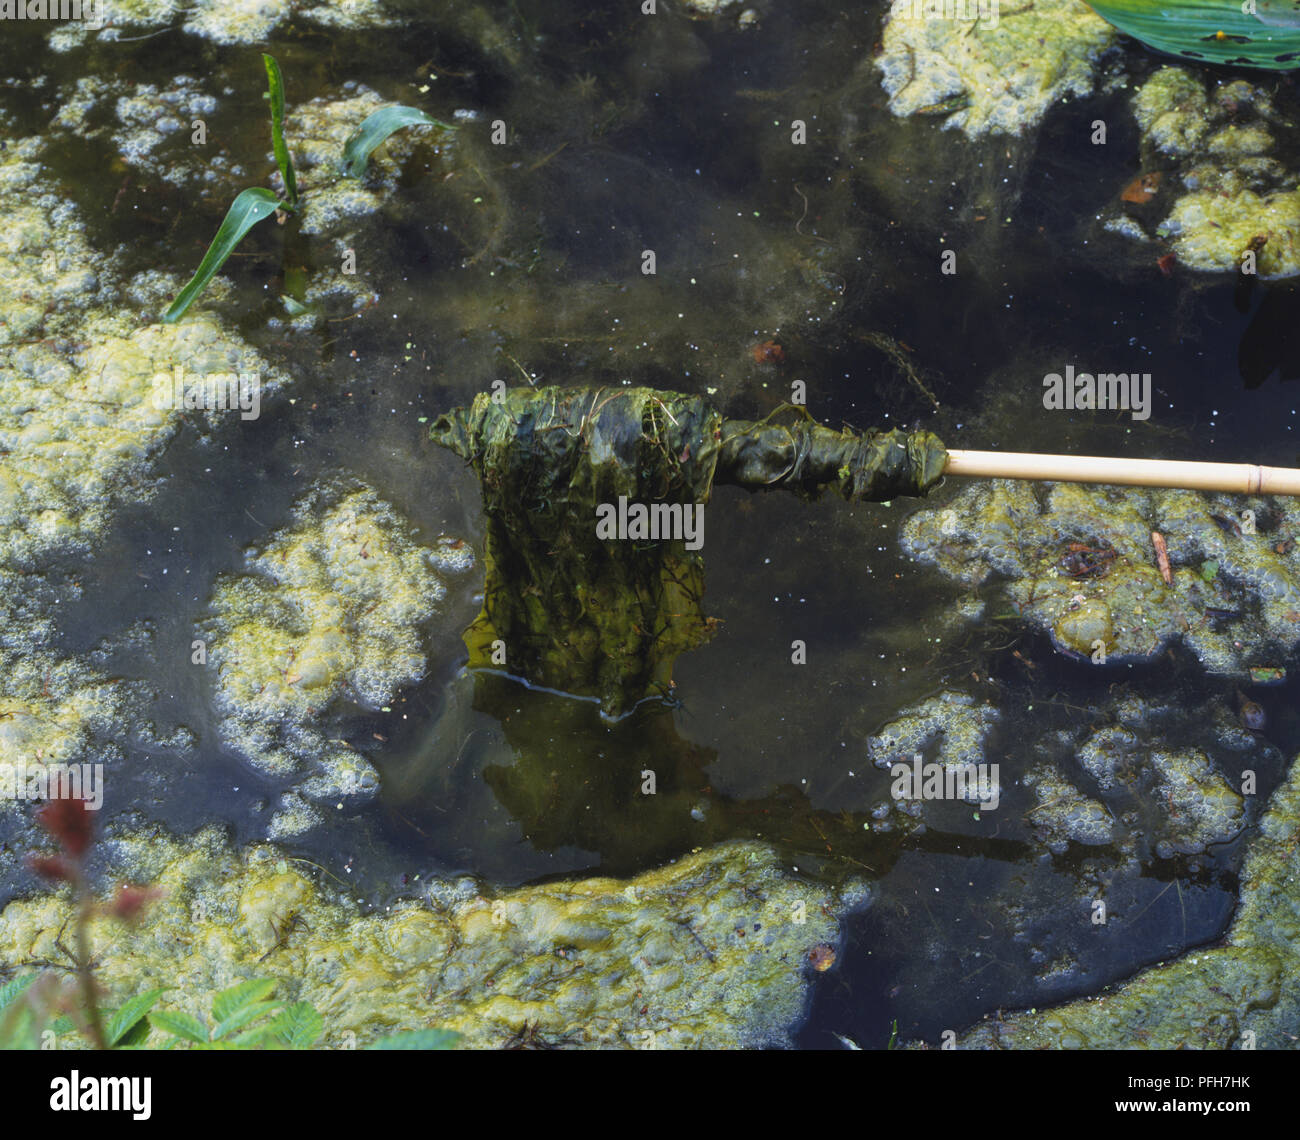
x: 1234, y: 196
x: 150, y: 129
x: 707, y: 9
x: 1153, y: 800
x: 1194, y: 805
x: 1245, y: 612
x: 1237, y: 994
x: 331, y: 607
x: 1203, y: 807
x: 220, y: 21
x: 1063, y: 814
x: 989, y: 76
x: 79, y: 427
x: 949, y: 728
x: 708, y: 952
x: 78, y: 415
x: 955, y: 721
x: 316, y: 132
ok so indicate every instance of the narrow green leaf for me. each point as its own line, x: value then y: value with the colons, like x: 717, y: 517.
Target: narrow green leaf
x: 298, y: 1026
x: 178, y: 1024
x: 119, y: 1024
x: 376, y: 128
x: 245, y: 212
x: 238, y: 997
x: 419, y: 1039
x: 10, y: 992
x: 275, y: 82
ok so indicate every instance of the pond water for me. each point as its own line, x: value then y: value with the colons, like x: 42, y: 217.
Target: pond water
x: 523, y: 262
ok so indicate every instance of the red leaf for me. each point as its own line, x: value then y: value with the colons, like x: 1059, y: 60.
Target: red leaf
x: 130, y: 901
x: 70, y: 822
x: 50, y: 867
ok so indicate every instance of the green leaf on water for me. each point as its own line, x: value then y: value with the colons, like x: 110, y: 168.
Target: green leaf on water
x: 275, y: 82
x: 376, y: 128
x: 1209, y: 570
x: 251, y: 207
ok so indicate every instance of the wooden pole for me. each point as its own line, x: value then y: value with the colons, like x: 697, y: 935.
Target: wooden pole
x: 1237, y: 478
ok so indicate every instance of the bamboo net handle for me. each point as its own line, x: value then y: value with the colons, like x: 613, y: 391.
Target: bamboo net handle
x: 1237, y: 478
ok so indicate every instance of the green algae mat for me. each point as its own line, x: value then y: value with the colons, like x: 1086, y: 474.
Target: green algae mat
x: 411, y: 610
x: 575, y: 606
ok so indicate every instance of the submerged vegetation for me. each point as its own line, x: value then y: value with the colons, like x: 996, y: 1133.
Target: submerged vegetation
x: 257, y: 204
x: 609, y: 618
x: 253, y: 623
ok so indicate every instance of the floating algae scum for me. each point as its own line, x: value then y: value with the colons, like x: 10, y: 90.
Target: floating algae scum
x: 574, y: 614
x: 255, y: 625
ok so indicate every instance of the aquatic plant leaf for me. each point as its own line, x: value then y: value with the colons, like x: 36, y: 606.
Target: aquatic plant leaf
x: 118, y: 1025
x: 236, y: 998
x: 298, y: 1026
x: 250, y: 207
x: 377, y: 127
x: 1212, y: 31
x: 184, y: 1026
x: 275, y: 84
x: 419, y: 1039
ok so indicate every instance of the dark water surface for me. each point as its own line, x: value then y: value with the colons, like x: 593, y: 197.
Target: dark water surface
x: 671, y: 134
